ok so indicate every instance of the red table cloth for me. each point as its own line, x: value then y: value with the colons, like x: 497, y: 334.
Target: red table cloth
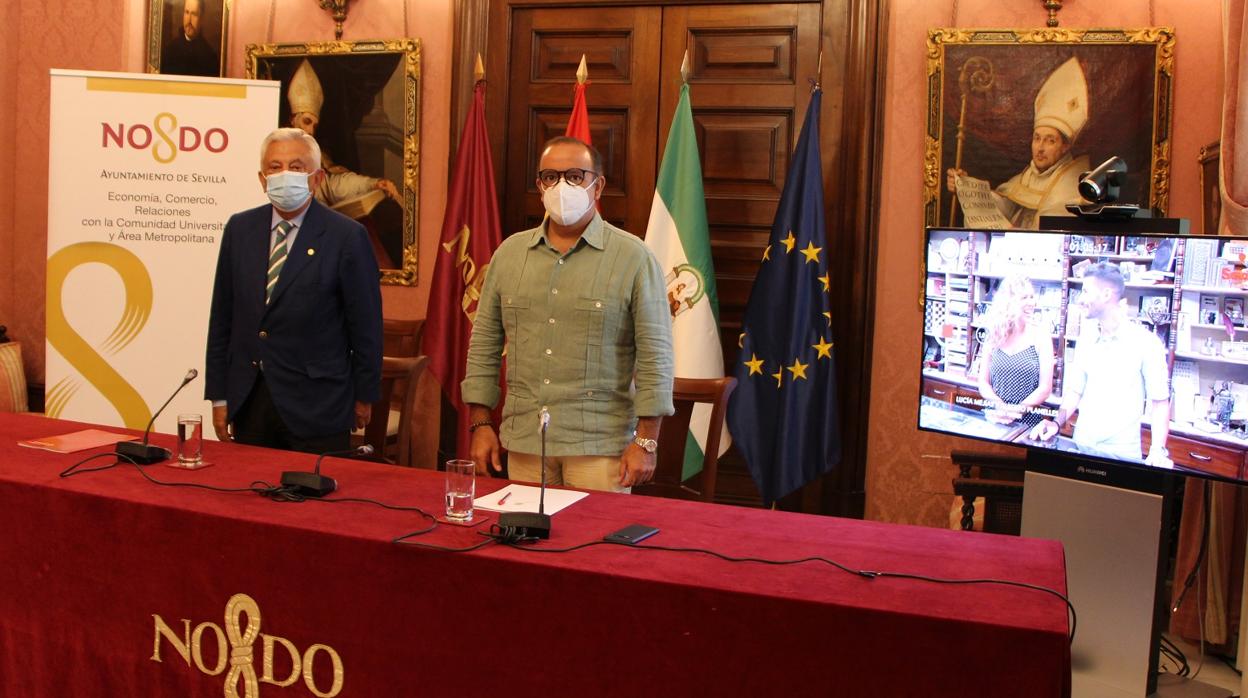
x: 113, y: 586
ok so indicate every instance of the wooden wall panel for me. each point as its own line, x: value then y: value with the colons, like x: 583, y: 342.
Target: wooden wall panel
x: 620, y: 46
x: 752, y: 63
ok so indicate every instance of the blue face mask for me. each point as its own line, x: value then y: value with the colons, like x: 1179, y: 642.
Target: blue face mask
x: 288, y: 190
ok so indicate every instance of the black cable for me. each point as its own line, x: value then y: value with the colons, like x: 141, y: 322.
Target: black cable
x: 260, y: 487
x: 1230, y: 662
x: 1176, y: 655
x: 1200, y: 555
x: 869, y: 574
x: 511, y: 538
x: 403, y: 540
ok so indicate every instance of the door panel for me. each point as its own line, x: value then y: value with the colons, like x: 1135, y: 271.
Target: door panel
x: 620, y: 45
x: 750, y: 66
x: 749, y: 90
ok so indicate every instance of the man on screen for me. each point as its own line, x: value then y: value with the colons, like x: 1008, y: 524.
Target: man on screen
x: 1114, y: 378
x: 294, y: 334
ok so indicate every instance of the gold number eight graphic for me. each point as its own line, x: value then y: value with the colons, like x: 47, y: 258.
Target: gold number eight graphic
x: 82, y: 356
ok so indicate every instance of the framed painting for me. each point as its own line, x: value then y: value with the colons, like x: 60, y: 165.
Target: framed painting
x: 1016, y: 116
x: 1210, y: 191
x: 187, y: 37
x: 361, y: 101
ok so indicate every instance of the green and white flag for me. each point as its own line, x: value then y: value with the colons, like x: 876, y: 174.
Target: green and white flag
x: 677, y: 234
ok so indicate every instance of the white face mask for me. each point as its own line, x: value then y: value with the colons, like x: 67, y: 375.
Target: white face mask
x: 566, y: 203
x: 288, y: 190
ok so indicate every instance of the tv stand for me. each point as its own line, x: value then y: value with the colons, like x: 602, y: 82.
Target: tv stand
x: 1117, y: 555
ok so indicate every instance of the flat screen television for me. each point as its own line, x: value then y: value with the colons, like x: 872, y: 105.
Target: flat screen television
x: 1078, y: 345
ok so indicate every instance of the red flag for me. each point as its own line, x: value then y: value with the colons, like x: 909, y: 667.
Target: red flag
x: 470, y: 234
x: 578, y: 123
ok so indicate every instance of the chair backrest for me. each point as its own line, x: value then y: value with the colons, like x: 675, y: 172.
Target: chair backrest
x: 668, y: 480
x: 396, y: 371
x: 401, y: 337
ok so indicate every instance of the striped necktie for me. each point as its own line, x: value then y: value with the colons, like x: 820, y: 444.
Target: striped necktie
x: 277, y: 258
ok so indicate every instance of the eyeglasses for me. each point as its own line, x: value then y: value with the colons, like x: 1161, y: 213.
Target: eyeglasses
x: 573, y: 175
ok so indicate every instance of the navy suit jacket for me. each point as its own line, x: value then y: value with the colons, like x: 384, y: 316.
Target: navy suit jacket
x: 318, y: 340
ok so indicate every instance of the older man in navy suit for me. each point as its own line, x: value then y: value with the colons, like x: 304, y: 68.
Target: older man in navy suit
x: 294, y: 338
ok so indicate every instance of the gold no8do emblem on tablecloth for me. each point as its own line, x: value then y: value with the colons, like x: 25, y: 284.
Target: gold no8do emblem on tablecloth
x: 235, y: 649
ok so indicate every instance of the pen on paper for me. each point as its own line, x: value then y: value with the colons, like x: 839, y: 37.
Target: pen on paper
x: 503, y: 499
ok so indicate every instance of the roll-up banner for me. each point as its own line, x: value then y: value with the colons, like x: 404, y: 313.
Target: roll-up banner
x: 144, y: 171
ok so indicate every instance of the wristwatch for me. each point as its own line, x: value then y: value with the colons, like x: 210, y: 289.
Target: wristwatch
x: 648, y: 445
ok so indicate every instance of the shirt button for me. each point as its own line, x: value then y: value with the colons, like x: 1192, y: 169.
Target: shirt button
x: 554, y: 291
x: 546, y: 381
x: 551, y: 321
x: 263, y: 334
x: 548, y: 352
x: 598, y: 304
x: 561, y: 261
x: 589, y: 394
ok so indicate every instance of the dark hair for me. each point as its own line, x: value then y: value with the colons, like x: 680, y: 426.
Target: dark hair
x: 595, y: 158
x: 1108, y: 274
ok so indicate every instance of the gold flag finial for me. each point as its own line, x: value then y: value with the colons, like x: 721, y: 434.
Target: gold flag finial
x: 684, y: 67
x: 478, y: 70
x: 582, y: 71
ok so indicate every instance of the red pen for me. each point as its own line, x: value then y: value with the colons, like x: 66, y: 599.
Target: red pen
x: 504, y: 498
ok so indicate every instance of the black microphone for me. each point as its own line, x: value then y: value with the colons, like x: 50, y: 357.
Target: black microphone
x: 314, y: 484
x: 142, y: 453
x: 525, y: 523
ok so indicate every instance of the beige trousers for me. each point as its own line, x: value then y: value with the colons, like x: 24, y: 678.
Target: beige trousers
x: 583, y: 472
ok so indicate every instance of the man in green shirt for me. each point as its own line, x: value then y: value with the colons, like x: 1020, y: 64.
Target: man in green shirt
x: 580, y: 308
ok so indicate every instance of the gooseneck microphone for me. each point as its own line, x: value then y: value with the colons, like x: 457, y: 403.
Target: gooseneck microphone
x: 142, y: 453
x: 527, y: 524
x: 314, y: 484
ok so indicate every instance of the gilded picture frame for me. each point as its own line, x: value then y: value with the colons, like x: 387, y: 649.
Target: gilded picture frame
x: 1106, y: 91
x: 1210, y: 191
x: 361, y: 100
x: 187, y: 37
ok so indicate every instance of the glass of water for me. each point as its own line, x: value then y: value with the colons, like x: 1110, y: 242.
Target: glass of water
x: 461, y: 489
x: 190, y: 440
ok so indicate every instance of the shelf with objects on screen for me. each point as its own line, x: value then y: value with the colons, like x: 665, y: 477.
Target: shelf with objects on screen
x: 1003, y: 328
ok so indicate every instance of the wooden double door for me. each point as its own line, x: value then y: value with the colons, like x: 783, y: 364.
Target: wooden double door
x: 750, y: 78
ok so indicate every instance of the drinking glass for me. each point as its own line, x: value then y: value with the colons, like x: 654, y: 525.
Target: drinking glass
x: 461, y: 489
x: 190, y: 440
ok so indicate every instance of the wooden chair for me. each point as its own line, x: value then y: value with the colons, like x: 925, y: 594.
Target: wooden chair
x: 396, y: 371
x: 667, y: 482
x: 401, y: 337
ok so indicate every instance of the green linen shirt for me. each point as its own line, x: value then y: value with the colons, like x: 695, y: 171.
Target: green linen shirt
x: 587, y: 334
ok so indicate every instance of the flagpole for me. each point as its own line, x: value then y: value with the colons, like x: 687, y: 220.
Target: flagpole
x: 582, y: 71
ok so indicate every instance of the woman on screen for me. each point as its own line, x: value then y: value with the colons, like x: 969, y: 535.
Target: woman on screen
x: 1016, y: 373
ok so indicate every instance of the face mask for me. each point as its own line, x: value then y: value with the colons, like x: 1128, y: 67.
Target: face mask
x: 566, y: 203
x: 288, y: 190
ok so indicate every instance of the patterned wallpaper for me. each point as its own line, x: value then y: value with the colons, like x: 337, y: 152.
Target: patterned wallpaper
x: 97, y: 36
x: 909, y: 472
x: 47, y: 35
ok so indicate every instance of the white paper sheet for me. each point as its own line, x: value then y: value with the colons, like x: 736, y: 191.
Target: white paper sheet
x: 525, y: 498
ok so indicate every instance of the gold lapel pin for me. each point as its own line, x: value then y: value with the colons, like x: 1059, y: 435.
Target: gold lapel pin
x: 311, y: 251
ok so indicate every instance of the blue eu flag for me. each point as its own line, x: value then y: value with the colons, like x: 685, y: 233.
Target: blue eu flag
x: 783, y: 415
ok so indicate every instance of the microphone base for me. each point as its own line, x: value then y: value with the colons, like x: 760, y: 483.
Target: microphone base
x: 308, y: 484
x: 526, y: 523
x: 141, y: 453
